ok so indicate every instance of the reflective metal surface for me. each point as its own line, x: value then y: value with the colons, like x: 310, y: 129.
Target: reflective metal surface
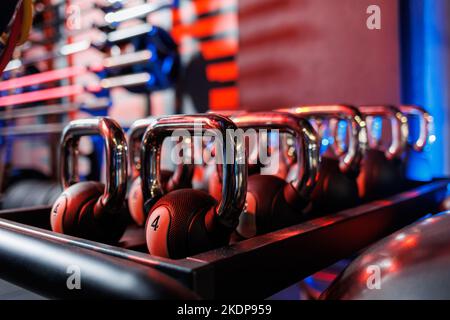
x: 135, y: 134
x: 425, y: 122
x: 181, y: 173
x: 229, y: 272
x: 412, y: 263
x: 234, y: 184
x: 32, y: 260
x: 116, y: 157
x: 399, y: 127
x: 351, y: 159
x: 253, y: 153
x: 31, y: 130
x: 307, y: 143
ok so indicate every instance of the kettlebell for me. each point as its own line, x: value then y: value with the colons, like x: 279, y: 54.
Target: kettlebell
x: 337, y: 187
x: 186, y: 222
x: 181, y: 178
x: 271, y: 202
x: 414, y: 156
x: 92, y: 210
x: 381, y: 169
x: 213, y: 175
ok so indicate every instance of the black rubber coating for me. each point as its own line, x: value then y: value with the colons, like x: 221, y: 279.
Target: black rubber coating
x: 272, y: 210
x: 334, y: 190
x: 380, y: 177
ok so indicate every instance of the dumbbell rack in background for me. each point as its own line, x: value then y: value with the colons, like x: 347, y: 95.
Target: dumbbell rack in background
x: 255, y: 268
x: 46, y: 73
x: 206, y: 35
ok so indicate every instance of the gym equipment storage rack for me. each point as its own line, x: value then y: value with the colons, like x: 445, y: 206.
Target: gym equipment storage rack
x: 255, y: 268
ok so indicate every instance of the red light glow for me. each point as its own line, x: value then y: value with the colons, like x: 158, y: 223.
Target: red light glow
x: 42, y: 77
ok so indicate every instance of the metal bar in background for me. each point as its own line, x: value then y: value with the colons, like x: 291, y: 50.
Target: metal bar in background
x: 137, y: 11
x: 32, y: 130
x: 38, y: 111
x: 41, y: 95
x: 56, y: 109
x: 42, y: 77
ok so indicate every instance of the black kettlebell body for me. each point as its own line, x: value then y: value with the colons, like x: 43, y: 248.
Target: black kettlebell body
x: 267, y: 207
x: 379, y: 177
x: 335, y: 190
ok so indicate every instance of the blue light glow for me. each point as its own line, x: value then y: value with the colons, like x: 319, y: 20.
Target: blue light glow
x: 424, y: 79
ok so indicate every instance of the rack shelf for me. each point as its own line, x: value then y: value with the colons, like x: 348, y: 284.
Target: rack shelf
x: 258, y: 267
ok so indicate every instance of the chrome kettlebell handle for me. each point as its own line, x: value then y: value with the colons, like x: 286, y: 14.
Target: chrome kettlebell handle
x: 350, y: 160
x: 399, y: 126
x: 135, y: 134
x: 425, y: 123
x: 234, y: 184
x: 116, y: 151
x: 307, y: 143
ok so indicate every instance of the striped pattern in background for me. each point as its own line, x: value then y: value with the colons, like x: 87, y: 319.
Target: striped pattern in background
x: 207, y: 33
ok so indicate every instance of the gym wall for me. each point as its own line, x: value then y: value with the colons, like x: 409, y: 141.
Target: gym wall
x: 317, y: 51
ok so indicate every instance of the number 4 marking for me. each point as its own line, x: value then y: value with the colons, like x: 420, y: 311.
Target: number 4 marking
x: 155, y: 223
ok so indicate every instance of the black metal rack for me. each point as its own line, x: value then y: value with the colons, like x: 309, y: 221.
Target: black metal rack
x: 254, y: 268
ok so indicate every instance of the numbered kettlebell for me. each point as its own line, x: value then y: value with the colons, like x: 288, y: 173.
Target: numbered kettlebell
x: 187, y: 221
x: 92, y: 210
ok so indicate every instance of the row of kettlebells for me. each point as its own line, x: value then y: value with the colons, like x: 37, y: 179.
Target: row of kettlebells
x: 238, y: 201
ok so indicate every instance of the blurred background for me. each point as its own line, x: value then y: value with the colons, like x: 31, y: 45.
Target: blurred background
x: 228, y: 54
x: 129, y: 59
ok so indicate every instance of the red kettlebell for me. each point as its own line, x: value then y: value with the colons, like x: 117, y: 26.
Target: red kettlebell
x: 337, y: 187
x: 186, y: 222
x: 215, y: 174
x: 92, y: 210
x: 271, y: 202
x: 181, y: 178
x: 214, y: 177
